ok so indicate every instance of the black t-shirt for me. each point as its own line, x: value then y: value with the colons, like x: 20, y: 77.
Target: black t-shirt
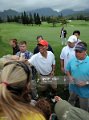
x: 65, y: 32
x: 36, y: 50
x: 15, y: 49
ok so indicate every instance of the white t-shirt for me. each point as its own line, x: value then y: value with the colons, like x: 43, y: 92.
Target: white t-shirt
x: 43, y: 65
x: 66, y: 54
x: 62, y: 34
x: 78, y: 40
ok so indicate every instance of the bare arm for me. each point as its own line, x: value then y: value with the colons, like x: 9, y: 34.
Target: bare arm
x: 62, y: 65
x: 53, y: 70
x: 82, y: 83
x: 71, y: 79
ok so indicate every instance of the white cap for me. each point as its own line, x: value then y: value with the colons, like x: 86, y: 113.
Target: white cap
x: 72, y: 39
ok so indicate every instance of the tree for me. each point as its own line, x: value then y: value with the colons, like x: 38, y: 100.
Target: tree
x: 43, y: 18
x: 48, y: 19
x: 17, y: 19
x: 10, y: 19
x: 25, y: 18
x: 53, y: 20
x: 63, y: 21
x: 34, y: 18
x: 1, y: 20
x: 86, y: 18
x: 37, y: 19
x: 30, y: 19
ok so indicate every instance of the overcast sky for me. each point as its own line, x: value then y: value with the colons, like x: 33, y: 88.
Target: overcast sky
x: 59, y: 5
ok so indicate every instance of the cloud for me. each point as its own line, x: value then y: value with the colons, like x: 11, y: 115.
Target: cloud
x: 20, y: 5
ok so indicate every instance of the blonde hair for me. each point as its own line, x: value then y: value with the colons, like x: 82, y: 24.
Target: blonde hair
x: 5, y: 59
x: 10, y: 104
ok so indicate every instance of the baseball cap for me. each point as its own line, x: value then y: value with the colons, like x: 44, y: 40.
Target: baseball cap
x: 43, y: 43
x: 80, y: 47
x: 72, y: 39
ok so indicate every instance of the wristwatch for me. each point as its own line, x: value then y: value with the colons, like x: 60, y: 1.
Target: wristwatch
x: 87, y: 82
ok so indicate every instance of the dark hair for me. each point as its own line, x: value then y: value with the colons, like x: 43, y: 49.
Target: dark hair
x: 44, y: 106
x: 76, y: 31
x: 14, y: 41
x: 40, y: 36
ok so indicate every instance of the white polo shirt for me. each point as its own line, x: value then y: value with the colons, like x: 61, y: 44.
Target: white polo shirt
x: 66, y: 54
x: 43, y: 65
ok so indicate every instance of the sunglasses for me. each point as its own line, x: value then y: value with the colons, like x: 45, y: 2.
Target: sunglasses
x: 78, y: 51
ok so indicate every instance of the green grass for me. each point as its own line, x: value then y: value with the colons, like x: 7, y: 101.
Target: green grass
x: 29, y: 33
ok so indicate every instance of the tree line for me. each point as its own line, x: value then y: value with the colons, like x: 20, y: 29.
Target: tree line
x: 35, y: 18
x: 24, y: 18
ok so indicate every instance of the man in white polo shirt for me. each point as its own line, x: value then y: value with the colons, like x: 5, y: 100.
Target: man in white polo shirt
x: 44, y: 61
x: 67, y: 52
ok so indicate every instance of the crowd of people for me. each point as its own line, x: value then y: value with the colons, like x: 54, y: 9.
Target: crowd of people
x: 19, y: 89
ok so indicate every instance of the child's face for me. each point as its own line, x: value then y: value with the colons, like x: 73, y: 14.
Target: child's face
x: 23, y: 47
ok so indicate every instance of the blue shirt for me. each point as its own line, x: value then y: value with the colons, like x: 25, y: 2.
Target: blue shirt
x: 80, y: 72
x: 27, y: 54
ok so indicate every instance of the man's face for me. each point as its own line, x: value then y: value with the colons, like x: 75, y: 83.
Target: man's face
x: 23, y: 47
x: 12, y: 43
x: 71, y: 45
x: 80, y: 54
x: 42, y: 48
x: 77, y: 35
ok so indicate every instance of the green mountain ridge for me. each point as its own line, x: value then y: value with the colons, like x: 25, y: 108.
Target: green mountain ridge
x: 45, y: 12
